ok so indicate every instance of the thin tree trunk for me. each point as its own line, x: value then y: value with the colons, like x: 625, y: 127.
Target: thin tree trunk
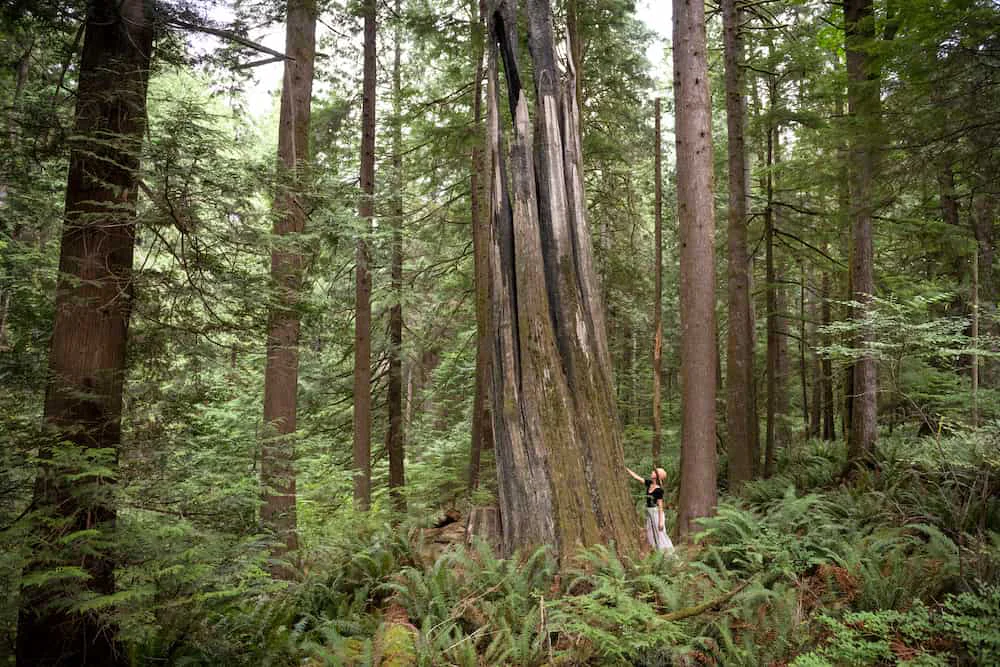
x: 975, y: 336
x: 395, y: 437
x: 558, y: 443
x: 771, y: 300
x: 83, y: 400
x: 363, y: 282
x: 739, y: 342
x: 803, y: 374
x: 826, y: 364
x: 628, y: 368
x: 696, y: 217
x: 983, y: 219
x: 21, y: 78
x: 281, y: 371
x: 482, y: 417
x: 863, y: 106
x: 657, y: 289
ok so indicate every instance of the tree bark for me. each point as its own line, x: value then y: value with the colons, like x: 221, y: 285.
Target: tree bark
x: 363, y: 280
x: 974, y: 334
x: 558, y: 443
x: 803, y: 373
x: 657, y: 290
x: 395, y: 437
x: 628, y: 371
x: 576, y: 54
x: 281, y: 371
x: 863, y: 106
x: 826, y: 364
x: 739, y: 341
x: 775, y: 329
x: 482, y: 417
x: 83, y: 401
x: 696, y: 217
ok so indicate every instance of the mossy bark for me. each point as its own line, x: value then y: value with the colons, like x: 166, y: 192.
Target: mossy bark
x: 558, y: 443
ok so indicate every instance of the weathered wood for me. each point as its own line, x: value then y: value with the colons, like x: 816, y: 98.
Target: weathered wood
x: 484, y: 523
x: 558, y: 443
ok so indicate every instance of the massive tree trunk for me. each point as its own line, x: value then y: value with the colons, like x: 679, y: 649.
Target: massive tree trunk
x: 83, y: 400
x: 739, y: 341
x: 696, y: 217
x: 657, y: 290
x: 363, y: 279
x: 863, y: 107
x: 394, y: 438
x: 281, y: 372
x: 482, y: 416
x: 558, y: 442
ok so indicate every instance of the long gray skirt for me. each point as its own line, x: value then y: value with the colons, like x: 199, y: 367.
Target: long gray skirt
x: 657, y: 538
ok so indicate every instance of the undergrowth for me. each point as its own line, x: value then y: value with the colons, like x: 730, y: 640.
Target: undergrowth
x: 898, y: 566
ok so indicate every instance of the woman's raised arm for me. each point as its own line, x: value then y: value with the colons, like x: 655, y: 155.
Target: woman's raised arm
x: 634, y: 476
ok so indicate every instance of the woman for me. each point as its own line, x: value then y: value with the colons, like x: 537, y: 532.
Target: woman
x: 655, y: 533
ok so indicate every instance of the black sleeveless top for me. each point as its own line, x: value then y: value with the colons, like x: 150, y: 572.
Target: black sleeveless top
x: 654, y: 495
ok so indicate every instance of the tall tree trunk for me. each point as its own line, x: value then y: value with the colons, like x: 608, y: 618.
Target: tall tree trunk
x: 83, y: 400
x: 482, y: 417
x: 281, y: 373
x: 696, y: 217
x: 363, y: 280
x: 774, y: 384
x: 657, y: 289
x: 863, y: 106
x: 739, y: 341
x: 395, y: 438
x: 558, y: 443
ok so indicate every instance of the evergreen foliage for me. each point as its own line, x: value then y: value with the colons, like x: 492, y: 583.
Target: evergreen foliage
x: 896, y: 563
